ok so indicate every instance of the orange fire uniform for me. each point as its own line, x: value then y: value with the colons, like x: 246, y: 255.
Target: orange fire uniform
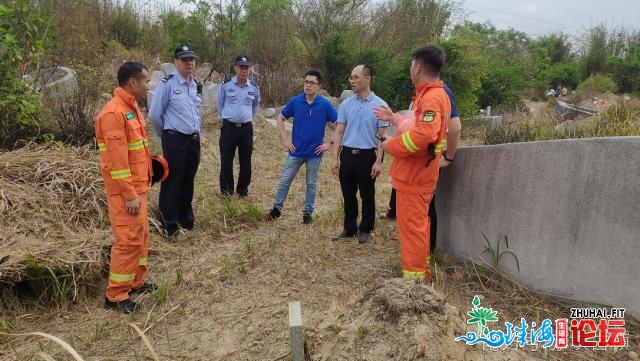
x: 126, y: 168
x: 414, y: 174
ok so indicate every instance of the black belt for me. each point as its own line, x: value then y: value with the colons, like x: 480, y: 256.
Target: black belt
x: 235, y: 125
x: 356, y: 151
x: 174, y: 132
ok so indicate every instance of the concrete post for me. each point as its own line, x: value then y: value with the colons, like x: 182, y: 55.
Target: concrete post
x: 295, y: 329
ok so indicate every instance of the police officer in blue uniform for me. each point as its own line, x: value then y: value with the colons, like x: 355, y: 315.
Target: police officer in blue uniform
x: 238, y: 101
x: 175, y: 115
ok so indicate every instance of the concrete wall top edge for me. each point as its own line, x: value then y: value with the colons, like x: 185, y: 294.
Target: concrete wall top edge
x: 555, y: 141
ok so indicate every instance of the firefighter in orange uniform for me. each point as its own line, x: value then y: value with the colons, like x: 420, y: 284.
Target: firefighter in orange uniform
x: 414, y: 171
x: 126, y: 168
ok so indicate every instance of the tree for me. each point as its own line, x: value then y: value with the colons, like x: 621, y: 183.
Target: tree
x: 595, y: 56
x: 465, y: 67
x: 509, y: 63
x: 125, y: 26
x: 269, y: 33
x: 324, y: 28
x: 557, y: 46
x: 623, y: 63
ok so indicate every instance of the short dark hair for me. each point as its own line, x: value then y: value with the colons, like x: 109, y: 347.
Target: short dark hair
x: 128, y: 70
x: 314, y: 72
x: 432, y: 57
x: 367, y: 70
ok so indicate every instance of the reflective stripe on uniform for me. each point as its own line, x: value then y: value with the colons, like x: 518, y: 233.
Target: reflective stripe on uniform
x: 121, y: 277
x: 409, y: 275
x: 102, y: 147
x: 440, y: 146
x: 143, y: 262
x: 408, y: 143
x: 120, y: 173
x: 137, y: 145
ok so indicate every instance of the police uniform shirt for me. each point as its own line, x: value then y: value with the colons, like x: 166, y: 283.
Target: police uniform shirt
x: 176, y: 105
x: 236, y: 103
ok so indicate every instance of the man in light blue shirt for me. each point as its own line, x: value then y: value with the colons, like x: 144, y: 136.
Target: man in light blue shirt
x: 238, y: 101
x: 175, y: 115
x: 358, y: 159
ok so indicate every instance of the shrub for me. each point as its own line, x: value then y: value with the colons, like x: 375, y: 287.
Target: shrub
x: 21, y: 44
x: 125, y: 25
x: 19, y: 111
x: 597, y: 83
x: 70, y: 118
x: 621, y: 119
x: 526, y: 132
x: 626, y: 72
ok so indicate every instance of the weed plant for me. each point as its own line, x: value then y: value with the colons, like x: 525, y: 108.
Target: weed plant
x: 621, y: 119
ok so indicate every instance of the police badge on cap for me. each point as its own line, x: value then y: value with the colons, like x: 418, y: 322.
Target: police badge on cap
x: 184, y: 51
x: 243, y: 60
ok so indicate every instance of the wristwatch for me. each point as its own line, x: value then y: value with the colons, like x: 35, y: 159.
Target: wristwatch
x: 444, y: 155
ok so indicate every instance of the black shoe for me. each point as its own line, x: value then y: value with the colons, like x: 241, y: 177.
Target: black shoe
x: 343, y: 235
x: 273, y: 214
x: 187, y: 225
x: 242, y: 194
x: 363, y: 237
x: 127, y: 306
x: 145, y: 288
x: 306, y: 218
x: 170, y: 232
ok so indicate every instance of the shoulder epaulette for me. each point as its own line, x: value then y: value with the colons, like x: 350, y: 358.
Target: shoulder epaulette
x: 167, y: 78
x: 227, y: 80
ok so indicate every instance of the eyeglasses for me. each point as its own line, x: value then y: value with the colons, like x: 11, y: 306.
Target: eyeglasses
x: 309, y: 82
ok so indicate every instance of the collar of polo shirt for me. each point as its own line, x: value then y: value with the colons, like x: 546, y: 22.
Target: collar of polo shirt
x: 371, y: 95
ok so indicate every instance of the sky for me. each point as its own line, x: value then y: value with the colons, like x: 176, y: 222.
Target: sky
x: 536, y: 17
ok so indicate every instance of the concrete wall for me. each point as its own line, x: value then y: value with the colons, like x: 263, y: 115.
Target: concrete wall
x: 571, y: 210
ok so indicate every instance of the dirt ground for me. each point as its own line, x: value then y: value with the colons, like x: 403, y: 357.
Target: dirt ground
x: 225, y: 287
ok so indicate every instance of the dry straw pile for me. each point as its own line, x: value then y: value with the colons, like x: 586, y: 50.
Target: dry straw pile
x: 51, y: 205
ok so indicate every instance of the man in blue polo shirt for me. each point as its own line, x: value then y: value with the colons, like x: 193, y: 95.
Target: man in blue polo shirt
x: 358, y: 159
x: 310, y: 112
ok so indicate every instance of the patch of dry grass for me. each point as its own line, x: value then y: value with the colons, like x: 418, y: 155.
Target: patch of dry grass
x: 461, y: 280
x: 52, y: 208
x: 226, y: 284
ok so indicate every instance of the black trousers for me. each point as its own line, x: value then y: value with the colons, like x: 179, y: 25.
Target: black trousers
x: 355, y: 175
x: 182, y: 152
x: 232, y: 137
x: 432, y: 214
